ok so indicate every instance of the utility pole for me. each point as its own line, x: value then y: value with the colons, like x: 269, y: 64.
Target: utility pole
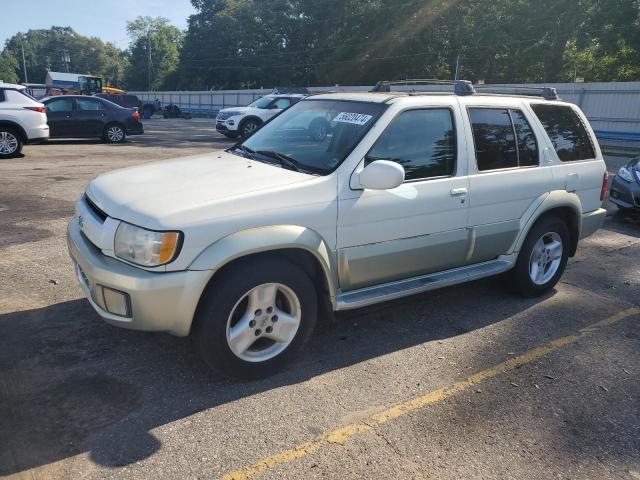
x: 24, y: 62
x: 457, y: 67
x: 149, y: 58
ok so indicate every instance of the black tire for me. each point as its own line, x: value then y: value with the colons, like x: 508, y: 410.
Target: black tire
x: 165, y: 115
x: 114, y: 133
x: 248, y: 127
x: 222, y: 296
x: 520, y: 278
x: 319, y: 129
x: 10, y: 143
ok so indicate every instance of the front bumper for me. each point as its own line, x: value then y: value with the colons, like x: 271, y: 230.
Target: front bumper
x: 625, y: 194
x: 159, y: 301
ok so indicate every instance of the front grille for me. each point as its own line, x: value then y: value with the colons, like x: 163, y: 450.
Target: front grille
x: 94, y: 208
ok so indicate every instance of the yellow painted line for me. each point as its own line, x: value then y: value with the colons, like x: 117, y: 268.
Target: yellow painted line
x: 342, y: 434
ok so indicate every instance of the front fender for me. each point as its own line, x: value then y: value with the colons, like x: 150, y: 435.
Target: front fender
x: 267, y: 239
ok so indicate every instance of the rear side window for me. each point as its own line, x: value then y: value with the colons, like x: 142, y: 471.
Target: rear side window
x: 2, y: 97
x: 503, y: 138
x: 422, y: 141
x: 85, y: 104
x: 566, y: 131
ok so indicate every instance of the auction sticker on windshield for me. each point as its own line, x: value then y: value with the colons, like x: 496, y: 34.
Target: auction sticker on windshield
x: 354, y: 118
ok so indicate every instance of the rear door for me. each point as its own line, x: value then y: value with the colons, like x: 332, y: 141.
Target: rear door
x: 88, y: 121
x: 60, y: 113
x: 506, y: 178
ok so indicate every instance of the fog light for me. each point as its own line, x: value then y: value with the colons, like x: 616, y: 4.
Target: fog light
x: 117, y: 302
x: 231, y: 122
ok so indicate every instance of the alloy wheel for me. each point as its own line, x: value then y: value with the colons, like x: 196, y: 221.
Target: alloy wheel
x: 546, y: 257
x: 8, y: 143
x: 115, y: 134
x: 264, y: 322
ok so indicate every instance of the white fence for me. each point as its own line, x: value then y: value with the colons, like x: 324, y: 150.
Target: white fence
x: 612, y: 108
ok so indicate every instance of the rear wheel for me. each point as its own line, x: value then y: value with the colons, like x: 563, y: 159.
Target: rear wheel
x: 543, y: 257
x: 10, y: 143
x: 114, y: 133
x: 255, y: 318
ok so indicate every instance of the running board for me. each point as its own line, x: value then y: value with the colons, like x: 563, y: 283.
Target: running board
x: 402, y: 288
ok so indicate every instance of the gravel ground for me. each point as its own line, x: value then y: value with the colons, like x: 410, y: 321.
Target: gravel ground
x: 81, y: 399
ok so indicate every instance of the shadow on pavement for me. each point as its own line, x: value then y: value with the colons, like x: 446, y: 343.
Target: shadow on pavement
x: 67, y: 376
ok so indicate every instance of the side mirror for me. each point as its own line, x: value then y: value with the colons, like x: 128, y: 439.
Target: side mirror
x: 381, y: 175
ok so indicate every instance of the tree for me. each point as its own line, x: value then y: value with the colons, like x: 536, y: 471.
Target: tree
x: 153, y: 53
x: 8, y: 67
x: 47, y: 50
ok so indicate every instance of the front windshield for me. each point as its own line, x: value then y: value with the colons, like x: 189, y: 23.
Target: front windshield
x: 261, y: 102
x: 315, y: 135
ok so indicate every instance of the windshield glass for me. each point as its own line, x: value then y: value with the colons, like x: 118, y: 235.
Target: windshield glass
x: 315, y: 134
x: 262, y: 102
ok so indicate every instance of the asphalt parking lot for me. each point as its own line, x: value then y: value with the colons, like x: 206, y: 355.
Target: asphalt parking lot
x: 462, y: 383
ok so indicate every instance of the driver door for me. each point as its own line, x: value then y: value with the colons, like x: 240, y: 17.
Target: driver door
x: 419, y: 227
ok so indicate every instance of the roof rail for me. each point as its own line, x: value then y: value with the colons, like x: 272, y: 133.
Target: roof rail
x: 548, y: 93
x: 460, y: 87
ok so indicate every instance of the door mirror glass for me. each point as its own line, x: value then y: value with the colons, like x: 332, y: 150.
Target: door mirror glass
x: 381, y: 175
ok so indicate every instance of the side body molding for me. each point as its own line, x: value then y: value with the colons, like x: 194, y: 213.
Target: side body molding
x: 263, y: 239
x: 546, y: 202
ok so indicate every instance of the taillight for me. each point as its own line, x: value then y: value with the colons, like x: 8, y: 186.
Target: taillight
x: 36, y: 109
x: 605, y: 184
x: 135, y: 115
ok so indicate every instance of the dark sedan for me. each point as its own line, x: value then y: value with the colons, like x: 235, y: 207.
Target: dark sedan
x: 79, y: 116
x: 625, y: 186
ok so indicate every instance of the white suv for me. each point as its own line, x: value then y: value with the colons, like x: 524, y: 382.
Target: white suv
x: 22, y: 120
x: 406, y: 193
x: 243, y: 121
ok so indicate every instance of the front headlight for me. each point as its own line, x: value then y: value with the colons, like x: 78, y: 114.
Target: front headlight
x: 145, y: 247
x: 625, y: 174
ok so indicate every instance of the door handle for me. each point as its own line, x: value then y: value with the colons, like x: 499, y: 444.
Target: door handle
x: 457, y: 192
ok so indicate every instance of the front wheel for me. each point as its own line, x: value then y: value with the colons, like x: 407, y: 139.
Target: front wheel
x: 114, y: 133
x: 10, y: 143
x: 248, y: 128
x: 543, y: 258
x: 255, y: 318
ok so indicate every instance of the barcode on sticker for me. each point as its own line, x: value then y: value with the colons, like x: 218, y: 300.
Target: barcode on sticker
x: 355, y: 118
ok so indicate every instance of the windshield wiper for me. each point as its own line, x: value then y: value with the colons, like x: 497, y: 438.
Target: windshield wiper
x: 285, y: 160
x: 245, y: 150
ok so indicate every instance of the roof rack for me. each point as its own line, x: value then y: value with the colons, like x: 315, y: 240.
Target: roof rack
x: 460, y: 87
x: 548, y: 93
x: 465, y: 87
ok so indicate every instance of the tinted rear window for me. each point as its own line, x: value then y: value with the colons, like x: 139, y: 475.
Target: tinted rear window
x: 566, y: 131
x: 2, y: 96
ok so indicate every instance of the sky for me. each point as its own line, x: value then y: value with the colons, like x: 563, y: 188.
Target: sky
x: 106, y: 19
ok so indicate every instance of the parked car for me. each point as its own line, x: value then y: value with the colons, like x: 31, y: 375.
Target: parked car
x: 82, y: 116
x: 174, y: 111
x: 625, y: 186
x: 146, y: 107
x: 22, y: 120
x: 407, y: 193
x: 243, y: 121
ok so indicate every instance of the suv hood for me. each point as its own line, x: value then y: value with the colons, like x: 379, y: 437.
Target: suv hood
x: 237, y: 110
x: 171, y: 193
